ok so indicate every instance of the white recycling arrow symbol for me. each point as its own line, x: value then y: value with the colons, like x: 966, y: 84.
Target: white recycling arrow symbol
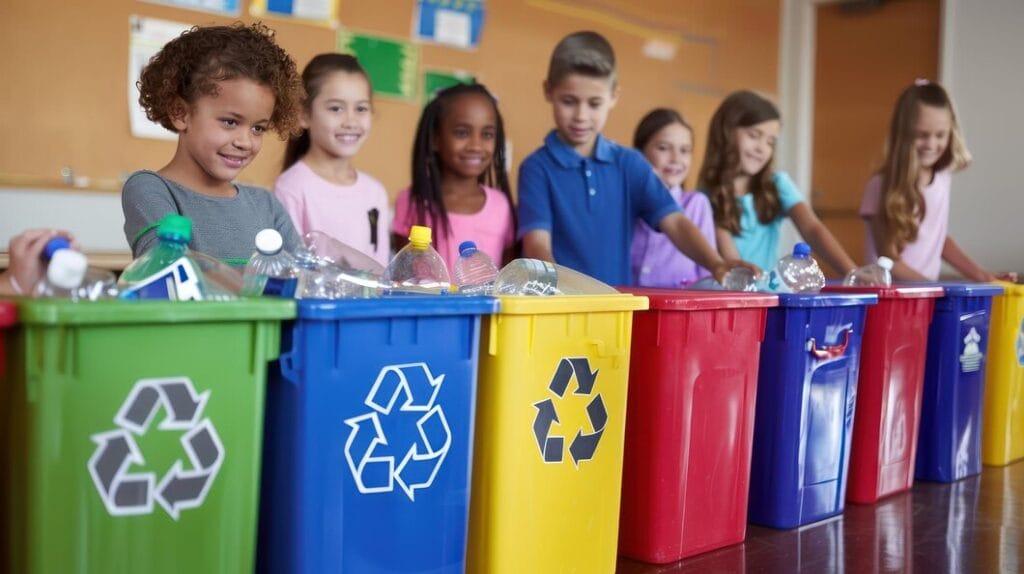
x: 376, y: 472
x: 183, y: 487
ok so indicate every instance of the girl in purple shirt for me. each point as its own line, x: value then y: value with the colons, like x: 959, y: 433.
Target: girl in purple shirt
x: 666, y: 140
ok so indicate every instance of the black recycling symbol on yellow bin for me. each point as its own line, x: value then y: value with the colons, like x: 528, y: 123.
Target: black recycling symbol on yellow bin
x: 584, y: 444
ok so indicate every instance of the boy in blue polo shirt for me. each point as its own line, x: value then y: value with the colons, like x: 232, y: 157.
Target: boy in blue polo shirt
x: 580, y: 194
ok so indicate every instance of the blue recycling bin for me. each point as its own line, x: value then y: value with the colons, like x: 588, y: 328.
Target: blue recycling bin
x: 949, y: 444
x: 369, y: 436
x: 806, y: 392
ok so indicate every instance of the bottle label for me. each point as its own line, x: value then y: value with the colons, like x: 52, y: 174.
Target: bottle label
x: 176, y: 282
x: 280, y: 287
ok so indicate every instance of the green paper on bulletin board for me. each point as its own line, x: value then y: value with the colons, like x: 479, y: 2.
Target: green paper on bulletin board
x: 435, y: 81
x: 391, y: 64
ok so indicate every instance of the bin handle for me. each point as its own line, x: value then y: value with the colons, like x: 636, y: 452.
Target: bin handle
x: 829, y: 351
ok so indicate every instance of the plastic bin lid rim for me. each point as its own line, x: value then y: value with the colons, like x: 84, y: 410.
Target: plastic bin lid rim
x: 683, y: 300
x: 557, y: 304
x: 898, y: 291
x: 826, y: 299
x: 114, y: 311
x: 8, y: 313
x: 395, y: 306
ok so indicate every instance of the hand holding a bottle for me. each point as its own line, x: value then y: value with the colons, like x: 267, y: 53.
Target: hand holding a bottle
x: 26, y: 266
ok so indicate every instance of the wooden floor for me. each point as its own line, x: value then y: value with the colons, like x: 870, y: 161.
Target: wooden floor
x: 975, y: 525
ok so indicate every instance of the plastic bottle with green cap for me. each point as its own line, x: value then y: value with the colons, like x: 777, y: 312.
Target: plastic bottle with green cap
x: 165, y: 271
x: 417, y: 266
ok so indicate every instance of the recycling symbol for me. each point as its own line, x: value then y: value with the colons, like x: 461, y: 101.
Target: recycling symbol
x: 379, y: 463
x: 970, y: 359
x: 127, y: 493
x: 584, y: 444
x: 1020, y: 345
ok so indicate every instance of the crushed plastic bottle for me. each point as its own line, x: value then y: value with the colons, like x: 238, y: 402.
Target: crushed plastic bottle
x: 418, y: 267
x: 332, y: 269
x: 221, y: 282
x: 797, y: 273
x: 165, y: 271
x: 743, y: 279
x: 537, y: 277
x: 474, y: 271
x: 271, y: 270
x: 878, y: 274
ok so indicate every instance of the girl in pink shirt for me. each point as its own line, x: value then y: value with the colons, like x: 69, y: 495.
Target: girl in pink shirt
x: 459, y: 185
x: 321, y: 188
x: 906, y: 204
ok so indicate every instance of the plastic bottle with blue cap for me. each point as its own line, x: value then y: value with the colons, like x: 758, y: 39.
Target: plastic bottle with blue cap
x: 797, y: 273
x: 474, y: 271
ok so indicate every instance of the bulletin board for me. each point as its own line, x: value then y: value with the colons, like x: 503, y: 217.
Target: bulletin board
x: 65, y: 68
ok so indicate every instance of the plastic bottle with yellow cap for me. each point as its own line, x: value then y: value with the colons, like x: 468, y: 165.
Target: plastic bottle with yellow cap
x: 418, y: 267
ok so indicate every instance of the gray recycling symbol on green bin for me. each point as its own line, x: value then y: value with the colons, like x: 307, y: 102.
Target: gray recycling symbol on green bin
x: 584, y: 444
x: 185, y: 485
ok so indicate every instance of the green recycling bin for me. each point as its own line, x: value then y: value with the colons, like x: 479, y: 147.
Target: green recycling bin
x: 133, y: 434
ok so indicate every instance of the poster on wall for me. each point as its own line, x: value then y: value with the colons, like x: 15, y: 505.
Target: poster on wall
x: 435, y: 80
x: 147, y: 37
x: 393, y: 65
x: 225, y: 7
x: 322, y: 12
x: 456, y: 23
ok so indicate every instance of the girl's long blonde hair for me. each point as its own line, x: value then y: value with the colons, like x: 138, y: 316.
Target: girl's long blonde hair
x: 902, y: 205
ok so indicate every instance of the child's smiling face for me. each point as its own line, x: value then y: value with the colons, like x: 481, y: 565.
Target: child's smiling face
x: 221, y: 134
x: 670, y: 152
x: 581, y: 105
x: 466, y: 138
x: 931, y: 134
x: 755, y: 145
x: 340, y: 116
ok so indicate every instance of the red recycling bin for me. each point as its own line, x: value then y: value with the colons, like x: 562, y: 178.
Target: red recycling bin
x: 690, y: 422
x: 889, y: 390
x: 8, y: 313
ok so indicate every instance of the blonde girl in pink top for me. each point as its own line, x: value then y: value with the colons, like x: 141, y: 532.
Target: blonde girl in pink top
x: 459, y: 185
x: 906, y: 204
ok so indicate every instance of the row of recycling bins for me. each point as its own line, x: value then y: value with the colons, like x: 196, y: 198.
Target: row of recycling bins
x: 450, y: 434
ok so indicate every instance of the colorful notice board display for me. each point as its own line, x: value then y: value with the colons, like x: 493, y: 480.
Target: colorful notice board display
x: 455, y: 23
x: 393, y: 65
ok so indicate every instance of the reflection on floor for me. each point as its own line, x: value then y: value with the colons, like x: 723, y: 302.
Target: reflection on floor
x: 975, y: 525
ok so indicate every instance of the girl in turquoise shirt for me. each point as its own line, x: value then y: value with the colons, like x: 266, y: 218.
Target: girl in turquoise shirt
x: 750, y: 200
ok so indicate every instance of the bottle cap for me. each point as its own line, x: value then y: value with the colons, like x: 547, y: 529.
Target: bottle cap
x: 885, y: 263
x: 467, y: 248
x: 801, y: 250
x: 419, y: 236
x: 53, y: 245
x: 175, y: 227
x: 269, y: 242
x: 67, y: 269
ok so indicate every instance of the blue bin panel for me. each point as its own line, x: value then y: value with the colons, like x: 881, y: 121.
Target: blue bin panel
x: 949, y: 444
x: 369, y: 436
x: 807, y: 389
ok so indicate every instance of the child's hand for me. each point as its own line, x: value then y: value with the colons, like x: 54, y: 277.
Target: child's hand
x: 1010, y: 276
x: 26, y: 267
x: 722, y: 268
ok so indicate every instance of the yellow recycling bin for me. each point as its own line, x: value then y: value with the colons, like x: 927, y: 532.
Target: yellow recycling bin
x: 550, y: 426
x: 1002, y: 435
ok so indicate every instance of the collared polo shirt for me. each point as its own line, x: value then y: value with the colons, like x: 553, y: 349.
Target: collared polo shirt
x: 589, y: 204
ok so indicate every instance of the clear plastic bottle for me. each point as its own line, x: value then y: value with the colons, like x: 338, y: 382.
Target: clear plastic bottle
x: 536, y: 277
x: 474, y: 271
x: 742, y: 279
x: 165, y: 271
x: 878, y: 274
x: 417, y: 266
x: 345, y: 271
x: 798, y: 273
x: 65, y: 267
x: 221, y: 282
x: 342, y: 255
x: 271, y: 270
x: 64, y: 276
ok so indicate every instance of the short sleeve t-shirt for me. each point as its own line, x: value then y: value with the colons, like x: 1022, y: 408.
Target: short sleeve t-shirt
x: 357, y: 214
x: 491, y: 228
x: 656, y: 260
x: 925, y: 254
x: 758, y: 242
